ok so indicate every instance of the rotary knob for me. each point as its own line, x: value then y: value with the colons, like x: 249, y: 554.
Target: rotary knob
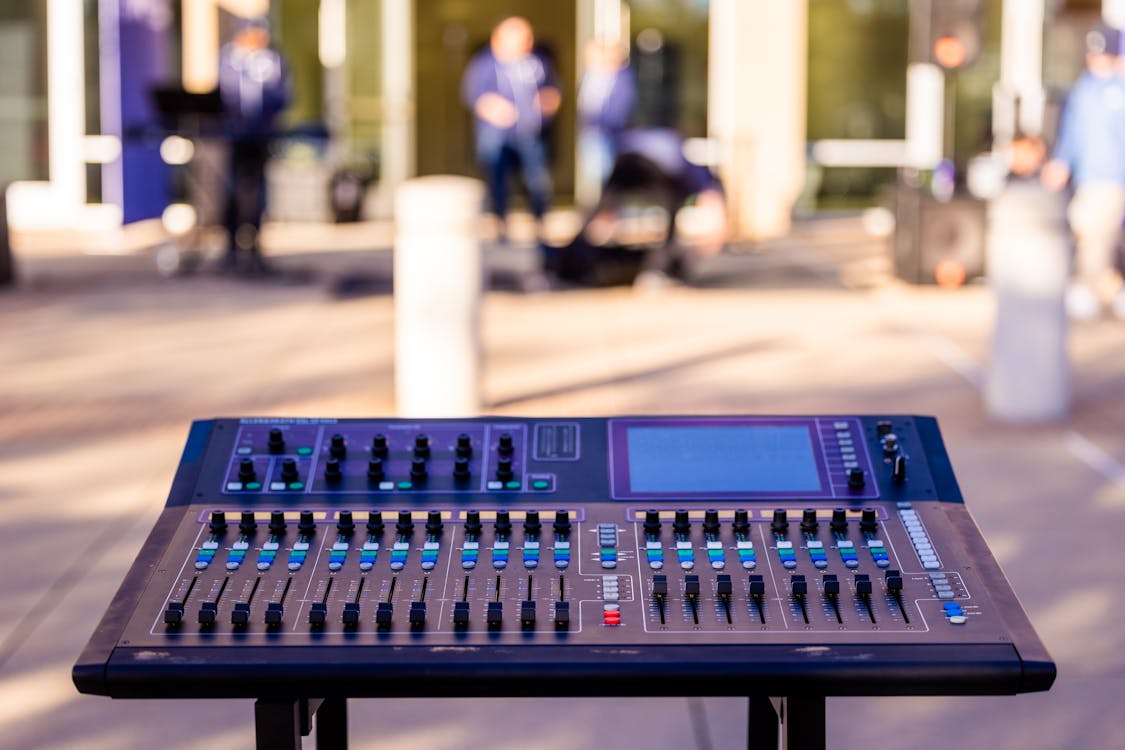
x: 379, y: 445
x: 218, y: 521
x: 276, y: 442
x: 338, y: 448
x: 405, y: 524
x: 422, y: 445
x: 780, y: 522
x: 247, y: 523
x: 332, y: 471
x: 711, y: 522
x: 856, y: 479
x: 472, y: 522
x: 867, y: 520
x: 562, y: 522
x: 434, y: 524
x: 375, y: 470
x: 461, y: 470
x: 418, y: 469
x: 504, y: 469
x: 652, y: 522
x: 345, y: 524
x: 503, y: 522
x: 808, y: 521
x: 306, y: 524
x: 289, y: 470
x: 246, y: 470
x: 505, y: 444
x: 464, y: 445
x: 839, y: 523
x: 277, y: 522
x: 531, y: 523
x: 681, y: 522
x: 375, y: 522
x: 741, y: 523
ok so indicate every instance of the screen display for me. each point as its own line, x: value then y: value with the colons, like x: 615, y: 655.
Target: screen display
x: 721, y: 459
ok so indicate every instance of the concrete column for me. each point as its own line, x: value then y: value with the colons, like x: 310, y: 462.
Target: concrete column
x: 438, y: 279
x: 1028, y: 266
x: 397, y: 143
x: 756, y: 109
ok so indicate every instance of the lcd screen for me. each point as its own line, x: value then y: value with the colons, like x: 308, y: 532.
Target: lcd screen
x: 721, y: 459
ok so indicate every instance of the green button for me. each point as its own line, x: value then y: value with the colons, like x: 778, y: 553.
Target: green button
x: 405, y: 485
x: 296, y: 485
x: 304, y: 451
x: 513, y: 485
x: 541, y: 484
x: 253, y: 485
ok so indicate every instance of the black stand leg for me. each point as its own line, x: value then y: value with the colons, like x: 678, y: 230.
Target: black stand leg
x: 793, y: 723
x: 280, y: 724
x: 332, y: 725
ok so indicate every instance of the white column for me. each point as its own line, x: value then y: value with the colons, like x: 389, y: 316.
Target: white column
x: 756, y: 109
x: 438, y: 280
x: 397, y: 143
x: 66, y: 106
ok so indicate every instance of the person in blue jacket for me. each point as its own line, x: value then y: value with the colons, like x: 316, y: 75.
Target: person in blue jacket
x: 1090, y: 152
x: 606, y: 96
x: 255, y: 89
x: 513, y: 94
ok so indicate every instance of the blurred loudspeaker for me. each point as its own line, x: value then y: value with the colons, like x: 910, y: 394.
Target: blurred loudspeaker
x: 931, y: 235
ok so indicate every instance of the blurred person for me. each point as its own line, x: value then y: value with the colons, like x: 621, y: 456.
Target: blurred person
x: 650, y: 171
x: 512, y: 92
x: 1090, y: 152
x: 254, y: 87
x: 606, y: 96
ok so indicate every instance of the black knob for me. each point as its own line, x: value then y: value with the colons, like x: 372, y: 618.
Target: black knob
x: 247, y: 524
x: 305, y: 524
x: 883, y: 427
x: 337, y: 447
x: 434, y: 523
x: 422, y: 445
x: 472, y: 522
x: 780, y: 523
x: 652, y: 522
x: 246, y: 470
x: 345, y: 524
x: 503, y: 522
x: 681, y: 523
x: 405, y: 525
x: 562, y: 522
x: 277, y: 522
x: 289, y: 470
x: 375, y: 522
x: 808, y: 521
x: 867, y: 520
x: 839, y: 523
x: 418, y: 469
x: 332, y: 471
x: 711, y: 521
x: 856, y: 479
x: 379, y: 445
x: 898, y: 469
x: 504, y: 469
x: 464, y: 445
x: 506, y: 445
x: 461, y: 468
x: 741, y: 523
x: 375, y: 470
x: 890, y: 444
x: 531, y: 524
x: 276, y: 442
x: 218, y: 521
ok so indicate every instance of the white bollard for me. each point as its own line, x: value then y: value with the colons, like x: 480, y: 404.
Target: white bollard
x: 1028, y: 268
x: 438, y: 279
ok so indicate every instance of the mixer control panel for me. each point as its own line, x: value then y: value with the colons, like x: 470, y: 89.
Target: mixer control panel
x: 501, y: 550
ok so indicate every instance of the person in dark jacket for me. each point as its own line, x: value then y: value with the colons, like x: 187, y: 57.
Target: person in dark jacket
x: 512, y: 92
x: 254, y: 86
x: 606, y: 96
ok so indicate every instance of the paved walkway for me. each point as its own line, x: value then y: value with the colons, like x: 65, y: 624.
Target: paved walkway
x: 103, y: 364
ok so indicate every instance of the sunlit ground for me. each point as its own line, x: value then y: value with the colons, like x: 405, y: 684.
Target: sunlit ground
x: 103, y: 365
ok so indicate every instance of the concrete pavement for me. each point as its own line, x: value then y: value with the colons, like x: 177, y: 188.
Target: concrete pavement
x: 103, y: 364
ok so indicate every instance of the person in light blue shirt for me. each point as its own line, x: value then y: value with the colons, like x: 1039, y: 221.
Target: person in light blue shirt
x: 1090, y: 153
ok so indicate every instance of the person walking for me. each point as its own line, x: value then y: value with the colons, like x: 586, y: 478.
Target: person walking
x: 1090, y: 152
x: 513, y: 94
x: 254, y: 87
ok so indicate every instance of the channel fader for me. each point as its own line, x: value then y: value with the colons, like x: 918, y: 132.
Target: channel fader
x: 634, y: 555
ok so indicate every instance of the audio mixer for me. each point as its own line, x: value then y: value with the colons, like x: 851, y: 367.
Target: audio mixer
x: 308, y: 560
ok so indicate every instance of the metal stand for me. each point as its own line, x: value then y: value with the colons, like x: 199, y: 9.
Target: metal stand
x: 792, y: 723
x: 280, y: 724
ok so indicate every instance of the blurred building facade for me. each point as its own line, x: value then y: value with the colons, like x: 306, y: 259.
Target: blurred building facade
x: 749, y: 82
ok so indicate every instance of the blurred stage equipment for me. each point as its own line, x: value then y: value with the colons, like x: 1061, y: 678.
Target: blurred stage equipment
x: 301, y: 562
x: 933, y: 236
x: 7, y: 263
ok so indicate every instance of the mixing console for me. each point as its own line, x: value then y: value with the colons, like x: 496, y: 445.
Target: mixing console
x: 643, y: 556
